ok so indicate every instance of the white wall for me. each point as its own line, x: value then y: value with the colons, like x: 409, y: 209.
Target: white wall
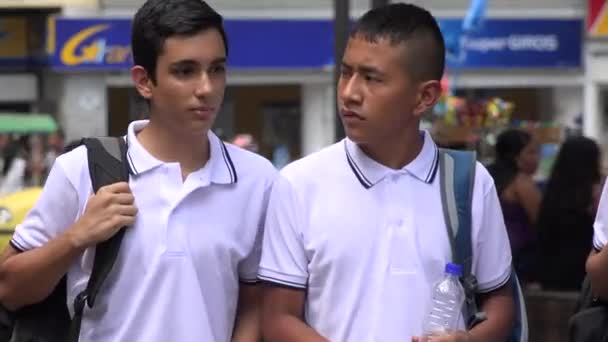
x: 318, y: 117
x: 18, y: 87
x: 567, y: 105
x: 81, y: 105
x: 596, y: 77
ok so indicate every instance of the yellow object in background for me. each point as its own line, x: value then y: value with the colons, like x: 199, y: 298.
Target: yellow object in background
x: 597, y: 18
x: 13, y: 208
x: 13, y: 37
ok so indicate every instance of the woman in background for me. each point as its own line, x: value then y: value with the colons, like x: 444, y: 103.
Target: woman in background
x: 566, y: 214
x: 15, y: 167
x: 517, y: 157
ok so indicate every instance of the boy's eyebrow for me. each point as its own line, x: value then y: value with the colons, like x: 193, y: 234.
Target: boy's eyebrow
x: 220, y: 60
x: 184, y: 62
x: 366, y: 69
x: 346, y: 65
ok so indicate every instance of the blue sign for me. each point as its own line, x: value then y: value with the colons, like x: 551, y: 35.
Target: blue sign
x: 104, y: 44
x: 285, y: 44
x: 515, y: 43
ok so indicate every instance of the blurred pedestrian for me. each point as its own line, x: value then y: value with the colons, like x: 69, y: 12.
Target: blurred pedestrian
x: 246, y: 141
x: 5, y: 139
x: 517, y: 157
x: 565, y: 220
x: 15, y: 168
x: 55, y: 144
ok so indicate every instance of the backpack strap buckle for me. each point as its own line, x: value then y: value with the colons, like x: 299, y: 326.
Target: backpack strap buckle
x: 470, y: 284
x: 477, y: 318
x: 80, y: 301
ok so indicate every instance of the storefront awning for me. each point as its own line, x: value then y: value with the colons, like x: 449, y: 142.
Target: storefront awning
x: 27, y: 123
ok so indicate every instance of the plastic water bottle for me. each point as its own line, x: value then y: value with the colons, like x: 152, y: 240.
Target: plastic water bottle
x: 446, y: 304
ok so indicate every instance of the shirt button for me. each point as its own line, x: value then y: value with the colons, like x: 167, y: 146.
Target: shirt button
x: 395, y: 178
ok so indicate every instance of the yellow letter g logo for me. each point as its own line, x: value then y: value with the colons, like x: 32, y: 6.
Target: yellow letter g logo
x: 69, y: 53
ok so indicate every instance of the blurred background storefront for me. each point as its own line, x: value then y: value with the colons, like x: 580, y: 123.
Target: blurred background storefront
x: 279, y: 81
x: 529, y: 53
x: 23, y: 50
x: 281, y: 67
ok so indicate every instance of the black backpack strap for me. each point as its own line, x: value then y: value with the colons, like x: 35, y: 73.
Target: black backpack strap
x: 107, y: 165
x: 457, y: 180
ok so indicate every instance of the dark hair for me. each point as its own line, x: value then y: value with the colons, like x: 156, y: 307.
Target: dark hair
x: 509, y: 145
x: 60, y: 133
x: 158, y: 20
x: 575, y: 171
x: 406, y: 23
x: 565, y: 218
x: 17, y: 148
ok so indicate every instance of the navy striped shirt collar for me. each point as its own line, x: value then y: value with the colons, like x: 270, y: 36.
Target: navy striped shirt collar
x: 223, y: 170
x: 369, y: 172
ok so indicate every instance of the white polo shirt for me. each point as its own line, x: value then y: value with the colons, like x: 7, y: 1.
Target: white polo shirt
x: 600, y: 227
x: 368, y: 242
x: 177, y: 275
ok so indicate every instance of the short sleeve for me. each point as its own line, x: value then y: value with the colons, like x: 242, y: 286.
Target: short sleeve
x: 284, y: 260
x: 600, y: 227
x: 492, y: 257
x: 55, y: 210
x: 248, y: 267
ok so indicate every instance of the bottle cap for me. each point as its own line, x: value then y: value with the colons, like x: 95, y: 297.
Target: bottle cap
x: 453, y: 269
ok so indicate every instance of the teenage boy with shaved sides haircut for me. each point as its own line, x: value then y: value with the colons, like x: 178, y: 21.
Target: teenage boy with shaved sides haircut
x: 354, y: 236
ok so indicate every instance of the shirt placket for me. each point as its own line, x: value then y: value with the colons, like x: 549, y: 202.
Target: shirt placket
x: 171, y: 190
x: 400, y: 234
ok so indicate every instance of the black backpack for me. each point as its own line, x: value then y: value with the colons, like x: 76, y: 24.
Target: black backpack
x: 49, y: 320
x: 590, y: 321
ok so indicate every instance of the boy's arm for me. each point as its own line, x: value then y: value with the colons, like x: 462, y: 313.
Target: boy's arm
x: 282, y: 316
x: 247, y: 325
x: 597, y: 262
x: 498, y: 306
x: 284, y: 268
x: 597, y: 269
x: 30, y: 276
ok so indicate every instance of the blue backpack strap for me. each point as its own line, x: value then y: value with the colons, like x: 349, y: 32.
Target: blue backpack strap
x: 520, y: 324
x: 457, y: 179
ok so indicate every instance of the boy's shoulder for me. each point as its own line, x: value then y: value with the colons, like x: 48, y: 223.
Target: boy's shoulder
x: 74, y: 159
x: 325, y: 161
x: 249, y: 164
x: 483, y: 179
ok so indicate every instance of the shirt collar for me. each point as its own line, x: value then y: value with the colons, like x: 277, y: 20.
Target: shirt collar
x: 369, y: 172
x: 221, y: 165
x: 223, y: 170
